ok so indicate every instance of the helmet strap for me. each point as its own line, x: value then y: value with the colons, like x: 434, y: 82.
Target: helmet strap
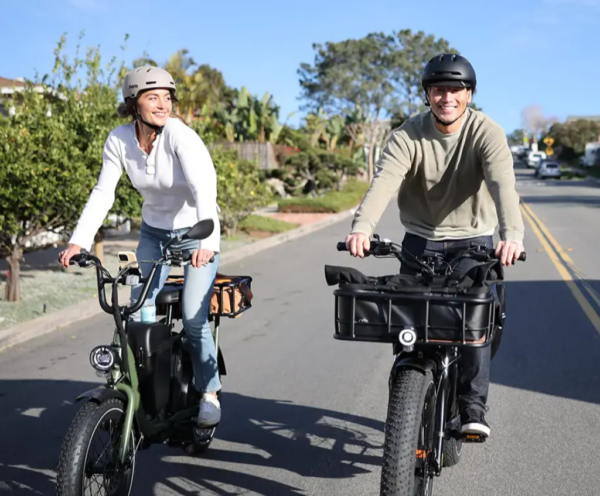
x: 158, y: 129
x: 138, y: 116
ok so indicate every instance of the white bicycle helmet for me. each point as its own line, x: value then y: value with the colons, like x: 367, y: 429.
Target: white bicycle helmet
x: 145, y: 78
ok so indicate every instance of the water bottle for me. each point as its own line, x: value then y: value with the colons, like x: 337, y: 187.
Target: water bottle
x: 148, y: 314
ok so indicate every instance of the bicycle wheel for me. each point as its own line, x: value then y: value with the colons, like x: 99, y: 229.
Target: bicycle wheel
x: 409, y: 430
x: 90, y: 467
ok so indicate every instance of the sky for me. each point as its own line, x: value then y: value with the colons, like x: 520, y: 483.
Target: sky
x: 525, y: 52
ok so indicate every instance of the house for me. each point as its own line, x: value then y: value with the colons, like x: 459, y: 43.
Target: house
x: 12, y: 86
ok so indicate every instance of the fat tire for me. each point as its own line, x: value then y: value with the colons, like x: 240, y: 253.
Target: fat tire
x: 407, y: 398
x: 74, y: 450
x: 451, y: 452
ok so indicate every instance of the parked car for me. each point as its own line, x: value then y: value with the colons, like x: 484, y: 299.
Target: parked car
x: 548, y: 168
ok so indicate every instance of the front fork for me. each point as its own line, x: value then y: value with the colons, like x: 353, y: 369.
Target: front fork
x: 440, y: 413
x: 441, y: 368
x: 130, y: 389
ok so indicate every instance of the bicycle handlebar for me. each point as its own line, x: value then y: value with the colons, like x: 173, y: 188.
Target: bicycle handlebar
x: 382, y: 248
x: 85, y: 260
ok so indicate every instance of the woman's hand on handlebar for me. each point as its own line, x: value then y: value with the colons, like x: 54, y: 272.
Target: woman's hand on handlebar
x: 509, y: 252
x: 357, y: 244
x: 64, y: 257
x: 200, y: 258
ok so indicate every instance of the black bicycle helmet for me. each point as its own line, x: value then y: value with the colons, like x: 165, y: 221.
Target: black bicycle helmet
x: 449, y: 69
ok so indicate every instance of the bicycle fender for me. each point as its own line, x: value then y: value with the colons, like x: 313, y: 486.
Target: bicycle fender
x: 411, y: 362
x: 102, y: 394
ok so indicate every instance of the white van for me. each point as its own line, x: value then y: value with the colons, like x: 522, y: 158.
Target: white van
x: 533, y: 158
x: 592, y: 155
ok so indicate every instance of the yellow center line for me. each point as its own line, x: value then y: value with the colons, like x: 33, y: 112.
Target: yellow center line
x: 563, y: 254
x: 562, y: 261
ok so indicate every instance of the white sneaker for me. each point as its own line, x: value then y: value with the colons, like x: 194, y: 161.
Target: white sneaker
x: 210, y: 411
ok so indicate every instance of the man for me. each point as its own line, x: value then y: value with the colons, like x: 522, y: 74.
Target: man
x: 454, y: 171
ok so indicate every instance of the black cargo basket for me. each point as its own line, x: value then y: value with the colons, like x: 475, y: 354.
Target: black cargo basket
x: 457, y: 319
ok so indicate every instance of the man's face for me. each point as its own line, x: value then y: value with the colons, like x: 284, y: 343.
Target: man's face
x: 448, y: 103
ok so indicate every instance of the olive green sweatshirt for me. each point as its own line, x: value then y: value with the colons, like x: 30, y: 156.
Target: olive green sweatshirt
x: 451, y: 186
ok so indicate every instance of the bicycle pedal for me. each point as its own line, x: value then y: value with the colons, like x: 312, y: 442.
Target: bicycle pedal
x: 473, y: 438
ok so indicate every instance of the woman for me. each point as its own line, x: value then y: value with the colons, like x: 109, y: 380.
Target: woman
x: 170, y: 166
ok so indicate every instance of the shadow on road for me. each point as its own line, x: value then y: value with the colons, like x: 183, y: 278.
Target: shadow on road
x: 549, y: 345
x: 309, y: 441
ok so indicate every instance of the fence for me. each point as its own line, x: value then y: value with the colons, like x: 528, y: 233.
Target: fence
x: 262, y: 153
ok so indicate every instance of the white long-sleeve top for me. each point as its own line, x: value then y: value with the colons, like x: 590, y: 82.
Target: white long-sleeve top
x: 177, y: 180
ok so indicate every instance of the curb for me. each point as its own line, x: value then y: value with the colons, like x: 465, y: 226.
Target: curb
x: 89, y: 308
x: 589, y: 178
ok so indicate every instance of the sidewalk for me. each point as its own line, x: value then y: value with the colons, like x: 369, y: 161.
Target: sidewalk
x: 52, y: 298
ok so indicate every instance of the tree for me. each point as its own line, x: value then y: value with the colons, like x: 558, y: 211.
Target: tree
x: 408, y: 53
x: 351, y: 75
x: 571, y: 137
x: 346, y: 74
x: 246, y: 118
x: 240, y: 189
x: 51, y: 153
x: 516, y: 137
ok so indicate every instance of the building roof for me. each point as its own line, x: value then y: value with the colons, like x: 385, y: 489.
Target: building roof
x: 583, y: 118
x: 9, y: 83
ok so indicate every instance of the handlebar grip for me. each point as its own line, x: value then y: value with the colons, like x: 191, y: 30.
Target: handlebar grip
x: 78, y: 258
x: 188, y: 257
x: 341, y: 246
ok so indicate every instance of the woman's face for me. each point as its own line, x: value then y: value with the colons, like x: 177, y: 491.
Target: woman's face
x: 155, y: 106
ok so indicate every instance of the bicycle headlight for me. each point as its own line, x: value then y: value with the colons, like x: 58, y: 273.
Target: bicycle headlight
x: 408, y: 337
x: 102, y: 358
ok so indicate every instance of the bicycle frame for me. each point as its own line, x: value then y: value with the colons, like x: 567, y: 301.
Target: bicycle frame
x: 125, y: 379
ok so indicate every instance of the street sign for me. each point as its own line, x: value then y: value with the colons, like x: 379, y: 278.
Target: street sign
x: 549, y: 141
x: 549, y: 151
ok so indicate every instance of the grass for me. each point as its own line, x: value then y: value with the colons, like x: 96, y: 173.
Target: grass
x: 331, y: 202
x: 59, y: 288
x: 266, y: 224
x: 579, y: 172
x: 570, y: 174
x: 55, y: 288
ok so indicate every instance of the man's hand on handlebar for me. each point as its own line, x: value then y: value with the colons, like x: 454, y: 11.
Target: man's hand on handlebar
x: 357, y: 244
x: 64, y: 257
x: 509, y: 252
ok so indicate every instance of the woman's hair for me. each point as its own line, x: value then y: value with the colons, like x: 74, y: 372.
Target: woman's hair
x: 127, y: 109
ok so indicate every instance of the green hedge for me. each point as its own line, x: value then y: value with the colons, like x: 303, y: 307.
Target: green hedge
x: 266, y: 224
x: 332, y: 202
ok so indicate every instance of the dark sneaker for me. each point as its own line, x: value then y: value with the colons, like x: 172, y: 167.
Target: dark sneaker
x: 473, y: 422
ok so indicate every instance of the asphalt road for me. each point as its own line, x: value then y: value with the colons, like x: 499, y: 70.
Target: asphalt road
x: 303, y: 414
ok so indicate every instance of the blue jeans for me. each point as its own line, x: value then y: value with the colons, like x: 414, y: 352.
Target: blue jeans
x: 474, y: 363
x: 197, y: 291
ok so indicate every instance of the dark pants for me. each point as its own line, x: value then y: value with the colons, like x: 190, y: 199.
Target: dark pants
x: 474, y: 364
